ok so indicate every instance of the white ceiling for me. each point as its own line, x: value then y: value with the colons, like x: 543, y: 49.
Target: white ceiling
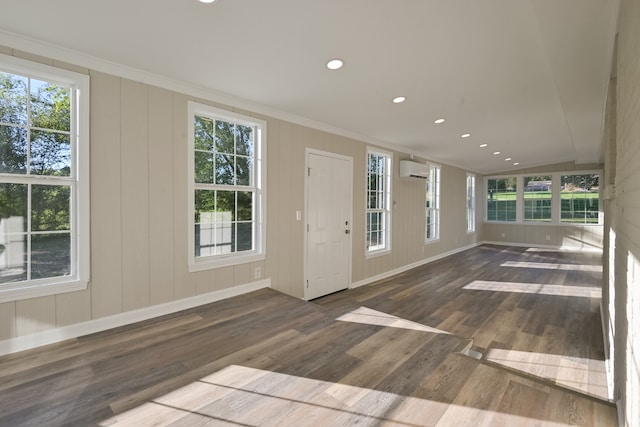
x: 526, y: 77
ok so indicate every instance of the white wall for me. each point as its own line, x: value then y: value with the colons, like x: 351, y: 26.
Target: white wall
x: 621, y: 296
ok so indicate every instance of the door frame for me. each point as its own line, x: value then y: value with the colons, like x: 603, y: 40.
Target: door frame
x: 335, y: 156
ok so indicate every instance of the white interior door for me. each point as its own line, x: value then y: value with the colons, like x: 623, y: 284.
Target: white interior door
x: 329, y: 201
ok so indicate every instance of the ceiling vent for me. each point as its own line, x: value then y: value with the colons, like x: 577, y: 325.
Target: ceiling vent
x: 413, y: 169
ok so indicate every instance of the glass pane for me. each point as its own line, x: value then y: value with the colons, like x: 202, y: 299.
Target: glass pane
x: 13, y: 225
x: 244, y: 140
x: 580, y: 197
x: 224, y: 139
x: 13, y: 99
x: 204, y: 206
x: 50, y: 153
x: 203, y: 133
x: 501, y: 199
x: 13, y: 204
x: 50, y: 255
x: 13, y: 246
x: 50, y: 206
x: 13, y: 150
x: 245, y: 206
x: 537, y: 198
x: 226, y: 206
x: 244, y: 170
x: 203, y: 167
x: 50, y: 106
x: 224, y: 169
x: 244, y: 236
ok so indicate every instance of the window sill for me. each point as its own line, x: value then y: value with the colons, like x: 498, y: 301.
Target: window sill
x: 15, y: 292
x: 376, y: 254
x: 227, y: 261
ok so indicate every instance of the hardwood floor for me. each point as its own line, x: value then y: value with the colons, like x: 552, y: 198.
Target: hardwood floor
x: 390, y: 353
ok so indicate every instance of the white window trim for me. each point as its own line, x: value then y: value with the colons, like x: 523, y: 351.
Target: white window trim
x: 387, y: 249
x: 80, y: 196
x: 206, y: 263
x: 555, y: 205
x: 471, y: 210
x: 436, y: 209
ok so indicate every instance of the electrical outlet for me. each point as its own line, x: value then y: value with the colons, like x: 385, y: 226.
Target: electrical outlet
x: 257, y: 273
x: 502, y: 235
x: 548, y: 237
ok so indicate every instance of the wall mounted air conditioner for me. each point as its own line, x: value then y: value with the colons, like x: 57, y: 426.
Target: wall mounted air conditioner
x: 409, y: 168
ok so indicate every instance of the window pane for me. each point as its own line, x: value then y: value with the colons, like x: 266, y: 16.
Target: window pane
x: 580, y: 198
x: 13, y: 247
x: 50, y: 255
x: 13, y: 204
x: 245, y: 206
x: 50, y: 106
x: 204, y: 205
x: 50, y: 207
x: 226, y: 203
x: 203, y: 167
x: 244, y: 236
x: 501, y: 199
x: 224, y: 138
x: 13, y: 150
x: 244, y: 140
x: 244, y: 170
x: 224, y: 169
x: 537, y: 198
x: 50, y: 153
x: 13, y: 225
x: 13, y: 99
x: 203, y: 133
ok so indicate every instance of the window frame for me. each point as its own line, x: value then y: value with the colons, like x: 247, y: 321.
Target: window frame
x: 386, y: 211
x: 258, y: 253
x: 471, y: 203
x: 436, y: 195
x: 556, y: 198
x: 78, y: 181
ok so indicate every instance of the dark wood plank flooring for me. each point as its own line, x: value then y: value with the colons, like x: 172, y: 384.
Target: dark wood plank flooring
x: 383, y: 354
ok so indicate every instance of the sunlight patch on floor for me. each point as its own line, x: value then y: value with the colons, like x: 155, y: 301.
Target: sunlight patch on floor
x: 244, y: 396
x: 553, y: 266
x: 368, y: 316
x: 535, y: 288
x: 584, y: 375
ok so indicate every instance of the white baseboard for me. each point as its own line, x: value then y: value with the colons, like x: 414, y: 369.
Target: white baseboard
x: 407, y: 267
x: 51, y: 336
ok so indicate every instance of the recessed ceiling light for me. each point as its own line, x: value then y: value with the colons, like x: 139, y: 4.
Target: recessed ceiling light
x: 334, y: 64
x: 495, y: 153
x: 484, y: 145
x: 206, y: 1
x: 399, y: 99
x: 507, y: 159
x: 465, y: 135
x: 516, y: 163
x: 439, y: 121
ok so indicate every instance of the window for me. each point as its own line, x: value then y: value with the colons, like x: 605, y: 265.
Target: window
x: 44, y: 180
x: 537, y: 198
x: 378, y: 212
x: 501, y: 199
x: 432, y: 204
x: 471, y: 203
x: 552, y: 198
x: 226, y: 170
x: 579, y: 198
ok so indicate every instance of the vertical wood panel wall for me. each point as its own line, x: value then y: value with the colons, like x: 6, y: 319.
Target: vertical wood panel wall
x: 139, y: 213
